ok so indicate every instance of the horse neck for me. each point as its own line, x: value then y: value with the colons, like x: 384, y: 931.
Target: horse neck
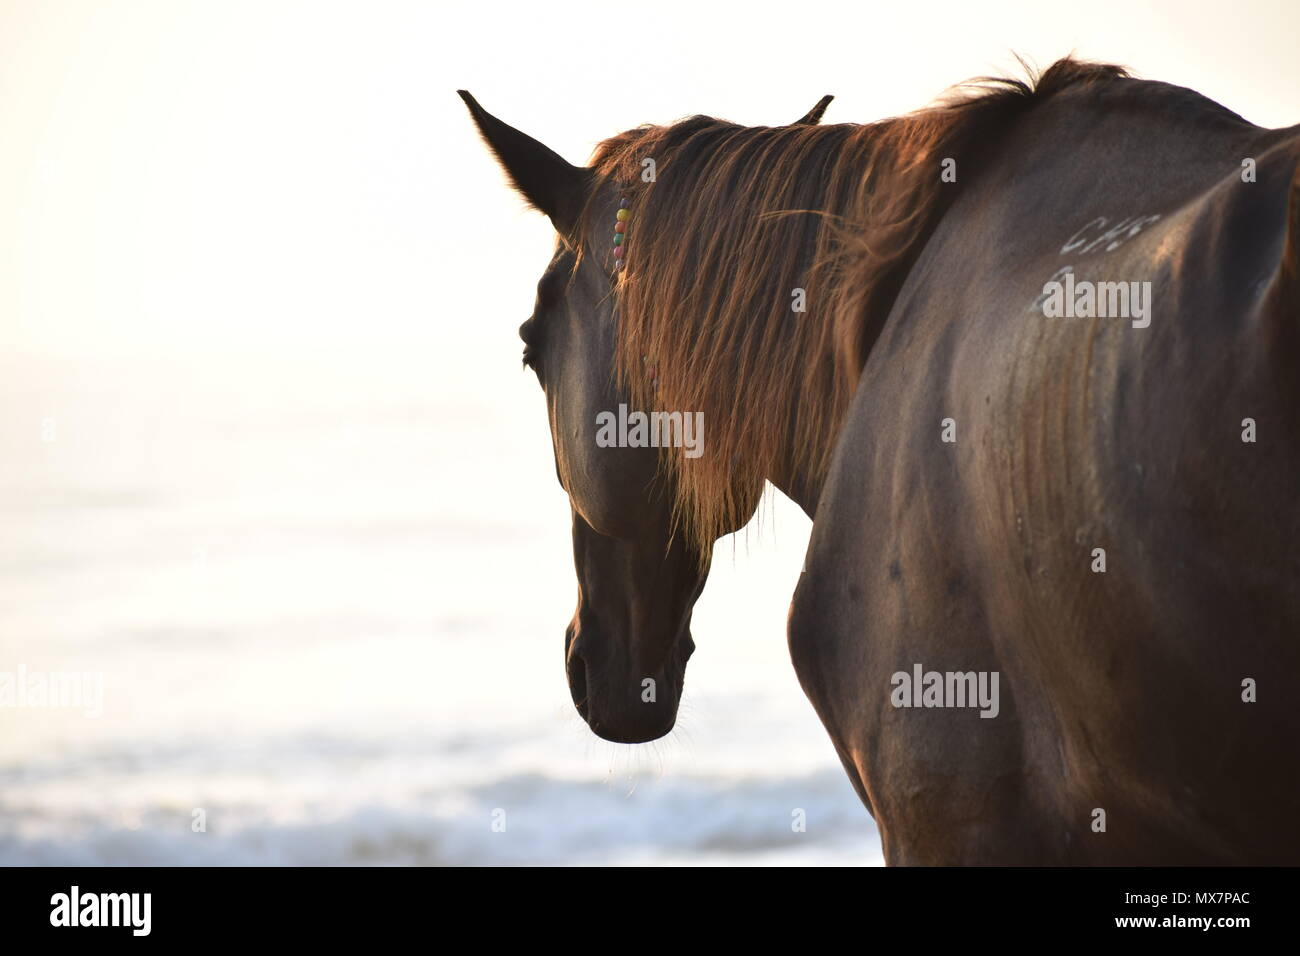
x: 799, y: 483
x: 858, y: 303
x: 708, y: 297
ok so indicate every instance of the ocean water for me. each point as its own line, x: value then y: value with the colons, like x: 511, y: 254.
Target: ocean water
x: 325, y: 596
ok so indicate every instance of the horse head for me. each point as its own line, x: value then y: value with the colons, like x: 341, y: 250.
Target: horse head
x: 627, y: 645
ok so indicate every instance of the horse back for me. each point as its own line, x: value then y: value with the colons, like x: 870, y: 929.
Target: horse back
x: 1098, y: 508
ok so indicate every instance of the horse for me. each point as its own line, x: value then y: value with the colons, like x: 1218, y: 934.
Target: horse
x: 1027, y: 358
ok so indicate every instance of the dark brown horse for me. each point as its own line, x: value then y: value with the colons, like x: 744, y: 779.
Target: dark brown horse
x: 1031, y: 361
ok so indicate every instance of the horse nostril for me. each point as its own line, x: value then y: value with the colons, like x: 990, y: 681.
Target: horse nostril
x: 577, y: 671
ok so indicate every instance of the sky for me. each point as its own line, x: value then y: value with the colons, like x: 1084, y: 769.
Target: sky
x: 189, y: 178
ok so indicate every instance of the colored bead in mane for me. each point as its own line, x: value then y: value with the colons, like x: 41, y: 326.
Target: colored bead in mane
x: 620, y: 231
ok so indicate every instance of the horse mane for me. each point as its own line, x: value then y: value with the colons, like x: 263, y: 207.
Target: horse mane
x: 735, y: 220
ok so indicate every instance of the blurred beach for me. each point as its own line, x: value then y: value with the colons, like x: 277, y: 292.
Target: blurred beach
x: 327, y: 603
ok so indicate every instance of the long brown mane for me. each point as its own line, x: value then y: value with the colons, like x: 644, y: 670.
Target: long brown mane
x: 735, y: 220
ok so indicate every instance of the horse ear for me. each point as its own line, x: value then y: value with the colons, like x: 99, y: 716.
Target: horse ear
x: 542, y: 176
x: 814, y: 115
